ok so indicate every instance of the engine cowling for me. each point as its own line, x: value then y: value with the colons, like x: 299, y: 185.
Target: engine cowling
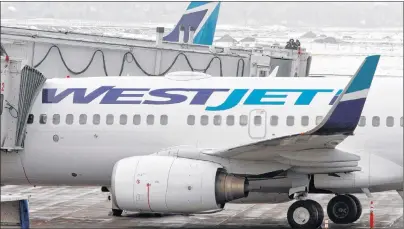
x: 174, y: 185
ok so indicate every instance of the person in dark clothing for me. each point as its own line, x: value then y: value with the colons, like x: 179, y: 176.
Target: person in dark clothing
x: 292, y: 42
x: 297, y: 43
x: 288, y: 45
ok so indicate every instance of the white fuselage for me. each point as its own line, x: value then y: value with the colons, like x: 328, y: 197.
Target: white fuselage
x: 84, y: 153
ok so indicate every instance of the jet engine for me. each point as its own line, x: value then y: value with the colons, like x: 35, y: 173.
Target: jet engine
x: 173, y: 185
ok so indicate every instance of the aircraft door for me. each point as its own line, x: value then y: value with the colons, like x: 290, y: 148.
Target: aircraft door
x: 257, y: 124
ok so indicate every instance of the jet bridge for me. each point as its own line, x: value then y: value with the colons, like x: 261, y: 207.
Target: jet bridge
x: 19, y: 88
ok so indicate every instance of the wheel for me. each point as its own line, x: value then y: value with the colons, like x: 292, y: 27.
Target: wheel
x: 303, y: 215
x: 319, y: 210
x: 117, y: 212
x: 358, y: 207
x: 342, y: 209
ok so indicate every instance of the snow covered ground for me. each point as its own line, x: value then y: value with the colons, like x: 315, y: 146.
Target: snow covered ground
x: 341, y: 58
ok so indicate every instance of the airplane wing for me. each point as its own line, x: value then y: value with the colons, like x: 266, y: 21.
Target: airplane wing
x: 299, y: 149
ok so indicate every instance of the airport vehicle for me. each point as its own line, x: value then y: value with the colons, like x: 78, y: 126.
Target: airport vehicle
x: 190, y: 143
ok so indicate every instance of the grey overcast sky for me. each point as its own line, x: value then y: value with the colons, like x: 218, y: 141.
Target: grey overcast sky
x: 321, y: 14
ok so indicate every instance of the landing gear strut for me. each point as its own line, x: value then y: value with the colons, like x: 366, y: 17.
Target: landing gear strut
x: 305, y: 214
x: 344, y: 209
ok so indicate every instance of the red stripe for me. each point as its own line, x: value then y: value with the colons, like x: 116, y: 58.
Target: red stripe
x: 148, y: 195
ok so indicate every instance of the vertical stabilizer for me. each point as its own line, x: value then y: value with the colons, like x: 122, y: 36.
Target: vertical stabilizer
x: 202, y: 17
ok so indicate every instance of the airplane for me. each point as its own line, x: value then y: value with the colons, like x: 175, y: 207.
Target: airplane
x: 202, y: 17
x: 191, y: 143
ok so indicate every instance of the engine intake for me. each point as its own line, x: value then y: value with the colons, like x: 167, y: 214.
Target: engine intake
x: 173, y: 185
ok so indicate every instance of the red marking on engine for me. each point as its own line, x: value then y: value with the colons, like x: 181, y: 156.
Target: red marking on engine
x: 138, y: 181
x: 148, y: 195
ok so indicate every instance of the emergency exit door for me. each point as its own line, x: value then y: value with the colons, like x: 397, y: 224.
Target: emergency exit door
x: 257, y: 124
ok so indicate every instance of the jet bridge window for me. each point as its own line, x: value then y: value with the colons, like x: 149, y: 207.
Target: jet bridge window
x: 204, y: 120
x: 376, y: 121
x: 230, y: 120
x: 389, y: 121
x: 401, y: 121
x: 362, y: 121
x: 163, y: 120
x: 191, y: 120
x: 136, y: 119
x: 319, y: 119
x: 42, y: 118
x: 96, y: 119
x: 290, y: 120
x: 56, y: 119
x: 150, y: 119
x: 82, y: 119
x: 274, y: 120
x: 257, y: 120
x: 30, y: 119
x: 123, y: 119
x: 243, y: 120
x: 305, y: 120
x: 217, y: 120
x: 69, y: 119
x: 110, y: 119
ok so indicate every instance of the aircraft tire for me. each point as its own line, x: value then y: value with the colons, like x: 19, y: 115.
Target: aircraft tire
x: 342, y: 209
x: 319, y: 210
x: 117, y: 212
x: 303, y: 215
x: 358, y: 206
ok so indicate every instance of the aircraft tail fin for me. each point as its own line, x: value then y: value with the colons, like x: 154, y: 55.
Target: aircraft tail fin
x: 346, y: 111
x: 202, y: 17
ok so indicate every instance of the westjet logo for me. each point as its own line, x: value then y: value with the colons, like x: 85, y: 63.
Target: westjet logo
x: 197, y: 96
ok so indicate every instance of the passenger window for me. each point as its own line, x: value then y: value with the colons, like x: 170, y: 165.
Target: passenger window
x: 83, y: 119
x: 257, y: 120
x: 69, y: 119
x: 319, y: 119
x: 96, y: 119
x: 56, y: 119
x: 42, y: 119
x: 217, y: 120
x: 389, y: 121
x: 191, y: 120
x: 290, y: 120
x: 305, y: 120
x: 243, y: 120
x: 123, y: 119
x: 136, y: 119
x: 376, y: 121
x: 30, y: 119
x: 204, y: 120
x: 230, y: 120
x: 163, y: 120
x: 362, y: 121
x: 150, y: 119
x: 274, y: 120
x: 110, y: 119
x: 401, y: 121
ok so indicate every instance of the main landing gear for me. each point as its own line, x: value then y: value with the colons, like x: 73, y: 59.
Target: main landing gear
x: 305, y: 214
x: 308, y: 214
x: 344, y: 209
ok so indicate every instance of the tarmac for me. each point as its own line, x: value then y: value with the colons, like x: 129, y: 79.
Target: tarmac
x: 88, y: 207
